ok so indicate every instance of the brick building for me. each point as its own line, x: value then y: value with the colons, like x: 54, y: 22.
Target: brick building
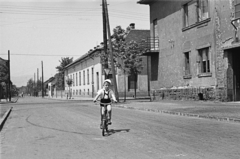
x: 194, y: 49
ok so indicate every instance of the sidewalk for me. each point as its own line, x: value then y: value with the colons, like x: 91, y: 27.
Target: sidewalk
x: 200, y: 109
x: 222, y: 111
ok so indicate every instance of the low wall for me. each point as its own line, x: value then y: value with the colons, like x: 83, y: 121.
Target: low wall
x: 192, y: 93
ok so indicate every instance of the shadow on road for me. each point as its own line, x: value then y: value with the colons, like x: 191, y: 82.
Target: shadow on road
x: 112, y: 131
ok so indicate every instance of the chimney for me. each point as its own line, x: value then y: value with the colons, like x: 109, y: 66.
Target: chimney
x: 132, y: 26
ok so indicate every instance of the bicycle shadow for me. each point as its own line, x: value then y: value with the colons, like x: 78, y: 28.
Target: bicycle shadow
x: 113, y: 131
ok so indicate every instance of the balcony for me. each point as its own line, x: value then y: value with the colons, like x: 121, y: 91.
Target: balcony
x: 151, y: 45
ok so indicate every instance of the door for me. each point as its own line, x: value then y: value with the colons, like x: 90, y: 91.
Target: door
x: 236, y: 73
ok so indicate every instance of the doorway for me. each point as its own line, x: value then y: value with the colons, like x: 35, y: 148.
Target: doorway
x: 234, y: 58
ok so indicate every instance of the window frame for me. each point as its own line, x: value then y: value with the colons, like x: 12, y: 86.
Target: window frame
x: 88, y: 76
x: 197, y: 22
x: 200, y: 14
x: 204, y: 72
x: 235, y: 9
x: 83, y: 77
x: 187, y: 64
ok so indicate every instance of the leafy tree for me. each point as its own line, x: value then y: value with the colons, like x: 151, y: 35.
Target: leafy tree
x: 3, y: 70
x: 30, y: 87
x: 127, y: 56
x: 60, y: 75
x: 14, y: 91
x: 132, y: 60
x: 69, y: 82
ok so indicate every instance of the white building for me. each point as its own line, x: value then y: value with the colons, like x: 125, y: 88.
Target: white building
x: 86, y: 73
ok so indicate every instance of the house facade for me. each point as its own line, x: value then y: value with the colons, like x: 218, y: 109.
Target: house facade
x: 193, y: 49
x: 86, y: 73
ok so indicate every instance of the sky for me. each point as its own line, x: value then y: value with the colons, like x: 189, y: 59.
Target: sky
x: 36, y: 31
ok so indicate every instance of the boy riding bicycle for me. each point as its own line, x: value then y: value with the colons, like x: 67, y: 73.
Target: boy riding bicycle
x: 106, y: 95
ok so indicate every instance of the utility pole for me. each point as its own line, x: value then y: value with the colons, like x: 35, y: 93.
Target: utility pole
x: 105, y: 39
x: 111, y: 52
x: 37, y: 82
x: 42, y: 82
x: 34, y: 86
x: 9, y: 77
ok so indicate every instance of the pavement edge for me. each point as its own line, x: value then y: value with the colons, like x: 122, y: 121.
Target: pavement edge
x: 4, y: 118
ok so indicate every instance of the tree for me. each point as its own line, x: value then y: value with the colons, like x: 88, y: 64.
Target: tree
x: 60, y: 75
x: 132, y: 60
x: 127, y: 56
x: 3, y: 70
x: 30, y: 87
x: 69, y: 82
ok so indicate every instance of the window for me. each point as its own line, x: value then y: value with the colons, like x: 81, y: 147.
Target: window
x: 92, y: 76
x: 76, y: 79
x: 202, y: 10
x: 80, y: 92
x: 87, y: 76
x: 83, y: 77
x: 155, y: 28
x: 187, y: 63
x: 79, y: 78
x: 131, y: 82
x: 194, y: 12
x: 73, y: 80
x: 237, y: 8
x: 185, y: 15
x: 97, y: 80
x: 204, y: 60
x: 76, y: 92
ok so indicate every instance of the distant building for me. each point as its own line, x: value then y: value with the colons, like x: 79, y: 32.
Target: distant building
x: 194, y: 49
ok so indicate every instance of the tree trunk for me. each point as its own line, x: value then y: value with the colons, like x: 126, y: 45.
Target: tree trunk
x: 124, y: 86
x: 135, y: 85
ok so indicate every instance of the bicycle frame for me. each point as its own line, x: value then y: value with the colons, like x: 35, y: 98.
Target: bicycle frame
x: 105, y: 118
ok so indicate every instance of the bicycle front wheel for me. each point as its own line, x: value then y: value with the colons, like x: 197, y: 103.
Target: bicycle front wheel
x: 104, y: 127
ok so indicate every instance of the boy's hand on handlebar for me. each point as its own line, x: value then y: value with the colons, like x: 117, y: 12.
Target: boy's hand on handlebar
x: 115, y: 101
x: 94, y: 101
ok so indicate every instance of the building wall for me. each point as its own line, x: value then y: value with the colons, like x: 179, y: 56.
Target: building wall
x: 174, y: 40
x: 89, y: 88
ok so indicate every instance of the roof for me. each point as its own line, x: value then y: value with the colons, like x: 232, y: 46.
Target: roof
x: 83, y: 57
x: 137, y: 35
x: 49, y: 80
x: 146, y: 1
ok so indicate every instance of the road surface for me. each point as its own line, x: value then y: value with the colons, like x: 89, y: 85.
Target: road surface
x: 49, y: 129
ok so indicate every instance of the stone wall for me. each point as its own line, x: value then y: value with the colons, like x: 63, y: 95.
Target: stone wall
x: 192, y: 93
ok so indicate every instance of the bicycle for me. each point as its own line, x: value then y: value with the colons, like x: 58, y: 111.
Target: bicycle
x: 105, y: 119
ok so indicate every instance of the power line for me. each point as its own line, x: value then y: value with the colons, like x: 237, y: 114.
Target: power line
x: 39, y: 55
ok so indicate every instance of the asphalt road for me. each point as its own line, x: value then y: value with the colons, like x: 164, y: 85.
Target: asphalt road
x: 48, y: 129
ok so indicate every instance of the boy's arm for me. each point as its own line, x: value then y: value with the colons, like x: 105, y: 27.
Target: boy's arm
x: 113, y: 96
x: 97, y: 96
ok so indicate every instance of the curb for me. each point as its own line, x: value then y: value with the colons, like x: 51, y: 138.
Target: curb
x: 183, y: 114
x: 4, y: 118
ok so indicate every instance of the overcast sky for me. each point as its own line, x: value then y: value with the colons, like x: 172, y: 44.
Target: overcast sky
x: 47, y: 30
